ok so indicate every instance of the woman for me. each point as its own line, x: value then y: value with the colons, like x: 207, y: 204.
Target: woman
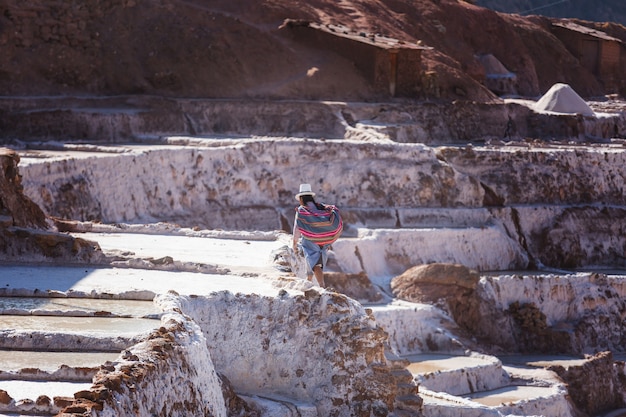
x: 315, y: 227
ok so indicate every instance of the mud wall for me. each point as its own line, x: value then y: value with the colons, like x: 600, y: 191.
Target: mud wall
x: 391, y: 67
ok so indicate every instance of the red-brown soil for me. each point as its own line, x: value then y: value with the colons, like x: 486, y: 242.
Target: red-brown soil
x: 234, y: 48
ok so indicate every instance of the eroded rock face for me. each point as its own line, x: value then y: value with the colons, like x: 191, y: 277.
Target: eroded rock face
x: 531, y: 331
x: 13, y: 202
x: 451, y: 286
x: 584, y: 235
x: 319, y: 348
x: 223, y: 186
x: 578, y: 313
x: 356, y: 286
x: 543, y: 174
x: 31, y: 245
x: 26, y: 234
x: 235, y: 405
x: 594, y: 386
x: 168, y: 374
x: 535, y: 313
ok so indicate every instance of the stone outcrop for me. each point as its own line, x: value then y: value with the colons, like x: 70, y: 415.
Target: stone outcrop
x: 595, y: 386
x: 13, y: 203
x: 169, y: 374
x: 30, y: 245
x: 356, y: 286
x: 574, y: 314
x: 318, y: 348
x: 26, y: 233
x: 453, y: 287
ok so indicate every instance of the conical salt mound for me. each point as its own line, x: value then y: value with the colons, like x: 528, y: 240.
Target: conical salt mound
x: 492, y: 65
x: 561, y: 98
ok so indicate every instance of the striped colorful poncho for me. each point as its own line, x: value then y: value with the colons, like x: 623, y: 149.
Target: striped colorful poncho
x: 323, y: 227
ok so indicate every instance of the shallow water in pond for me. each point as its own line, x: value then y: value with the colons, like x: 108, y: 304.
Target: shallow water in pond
x: 542, y: 361
x: 510, y: 394
x: 12, y: 360
x: 88, y: 306
x: 421, y: 364
x: 100, y: 326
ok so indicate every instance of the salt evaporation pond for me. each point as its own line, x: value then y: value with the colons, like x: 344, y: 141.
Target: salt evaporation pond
x: 15, y: 360
x: 100, y: 326
x: 19, y: 390
x: 82, y: 306
x: 511, y: 393
x: 424, y: 363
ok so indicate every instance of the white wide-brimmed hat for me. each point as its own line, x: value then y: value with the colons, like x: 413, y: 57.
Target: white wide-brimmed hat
x: 305, y: 189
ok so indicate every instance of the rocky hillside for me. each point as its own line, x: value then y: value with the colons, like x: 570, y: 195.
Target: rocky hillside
x: 236, y: 49
x: 597, y: 11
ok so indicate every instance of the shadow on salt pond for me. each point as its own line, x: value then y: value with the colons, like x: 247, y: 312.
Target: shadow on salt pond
x: 508, y: 394
x: 41, y: 278
x: 556, y: 271
x: 78, y: 307
x: 103, y: 326
x: 616, y: 413
x: 541, y: 361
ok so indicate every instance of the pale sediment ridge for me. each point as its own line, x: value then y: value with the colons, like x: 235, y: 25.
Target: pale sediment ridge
x: 411, y: 328
x: 124, y: 118
x: 524, y: 204
x: 226, y: 306
x: 55, y: 345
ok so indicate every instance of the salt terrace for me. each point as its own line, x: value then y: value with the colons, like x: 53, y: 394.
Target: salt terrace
x: 179, y: 294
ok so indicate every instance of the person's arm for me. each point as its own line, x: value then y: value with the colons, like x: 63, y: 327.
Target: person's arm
x: 296, y: 233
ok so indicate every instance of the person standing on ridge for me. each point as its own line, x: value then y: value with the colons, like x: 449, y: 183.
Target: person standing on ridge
x: 315, y: 227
